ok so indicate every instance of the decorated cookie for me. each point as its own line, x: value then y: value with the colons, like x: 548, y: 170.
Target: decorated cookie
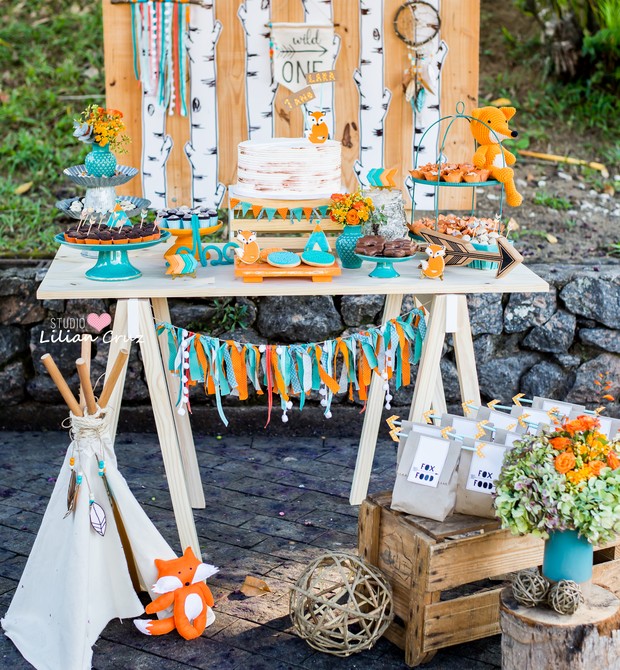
x: 283, y: 259
x: 318, y: 258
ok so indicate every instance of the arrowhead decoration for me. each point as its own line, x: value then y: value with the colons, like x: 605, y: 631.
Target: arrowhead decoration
x: 463, y: 253
x: 481, y: 430
x: 382, y: 177
x: 181, y: 264
x: 445, y: 433
x: 479, y: 448
x: 510, y: 427
x: 517, y: 398
x: 491, y: 405
x: 394, y: 429
x: 427, y: 416
x: 522, y: 419
x: 598, y: 410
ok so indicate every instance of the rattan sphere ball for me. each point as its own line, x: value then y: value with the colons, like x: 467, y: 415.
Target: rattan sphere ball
x: 565, y: 597
x: 341, y: 605
x: 530, y: 588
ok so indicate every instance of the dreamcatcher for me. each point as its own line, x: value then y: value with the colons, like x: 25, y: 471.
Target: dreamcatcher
x: 416, y: 23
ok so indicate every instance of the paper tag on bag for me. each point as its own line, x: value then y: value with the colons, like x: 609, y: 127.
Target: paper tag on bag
x: 485, y: 470
x: 428, y: 461
x: 502, y: 420
x: 465, y: 427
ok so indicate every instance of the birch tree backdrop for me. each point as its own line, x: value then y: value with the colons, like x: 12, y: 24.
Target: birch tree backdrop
x: 232, y: 97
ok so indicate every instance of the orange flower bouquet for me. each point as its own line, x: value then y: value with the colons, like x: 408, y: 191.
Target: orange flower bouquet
x: 104, y: 127
x: 568, y: 479
x: 350, y: 209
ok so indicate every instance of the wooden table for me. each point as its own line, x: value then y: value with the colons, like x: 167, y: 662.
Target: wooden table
x: 141, y: 300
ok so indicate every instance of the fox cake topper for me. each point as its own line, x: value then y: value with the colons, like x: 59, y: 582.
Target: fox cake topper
x: 319, y: 132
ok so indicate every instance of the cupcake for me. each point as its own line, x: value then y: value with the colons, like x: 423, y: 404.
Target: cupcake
x: 453, y: 176
x: 92, y: 238
x: 105, y: 237
x: 416, y: 173
x: 472, y: 177
x: 119, y: 237
x: 484, y: 174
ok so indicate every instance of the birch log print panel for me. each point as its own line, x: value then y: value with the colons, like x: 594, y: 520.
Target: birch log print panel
x: 260, y: 86
x: 374, y: 96
x: 202, y: 148
x: 318, y: 12
x: 223, y: 93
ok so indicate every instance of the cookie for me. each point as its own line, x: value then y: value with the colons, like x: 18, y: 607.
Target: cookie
x: 283, y: 259
x: 317, y: 258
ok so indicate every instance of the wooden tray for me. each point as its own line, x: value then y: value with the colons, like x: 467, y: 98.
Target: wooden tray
x: 256, y: 272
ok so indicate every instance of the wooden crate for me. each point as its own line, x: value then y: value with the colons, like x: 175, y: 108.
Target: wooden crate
x: 440, y: 573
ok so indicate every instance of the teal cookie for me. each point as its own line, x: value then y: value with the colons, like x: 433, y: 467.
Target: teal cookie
x: 283, y: 259
x: 318, y: 258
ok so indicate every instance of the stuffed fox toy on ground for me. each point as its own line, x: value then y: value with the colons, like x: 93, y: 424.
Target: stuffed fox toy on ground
x: 491, y: 125
x: 181, y: 583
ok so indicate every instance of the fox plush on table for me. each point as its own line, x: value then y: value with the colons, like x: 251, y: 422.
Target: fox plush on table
x: 181, y: 583
x: 489, y: 128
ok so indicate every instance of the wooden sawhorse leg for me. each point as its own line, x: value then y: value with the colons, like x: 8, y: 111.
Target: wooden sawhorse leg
x: 448, y: 314
x: 134, y: 321
x: 372, y: 417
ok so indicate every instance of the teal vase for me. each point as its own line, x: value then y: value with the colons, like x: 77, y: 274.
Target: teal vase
x: 345, y: 247
x: 100, y: 162
x: 567, y: 556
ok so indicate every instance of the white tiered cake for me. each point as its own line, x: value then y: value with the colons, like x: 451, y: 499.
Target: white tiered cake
x: 288, y: 168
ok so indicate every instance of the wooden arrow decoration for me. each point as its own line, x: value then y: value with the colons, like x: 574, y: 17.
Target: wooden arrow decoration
x: 382, y: 177
x: 463, y: 253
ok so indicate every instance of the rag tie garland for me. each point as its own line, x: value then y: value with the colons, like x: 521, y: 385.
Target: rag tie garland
x: 227, y: 367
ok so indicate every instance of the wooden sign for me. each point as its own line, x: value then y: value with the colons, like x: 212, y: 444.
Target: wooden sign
x: 300, y: 98
x: 323, y: 77
x: 461, y: 253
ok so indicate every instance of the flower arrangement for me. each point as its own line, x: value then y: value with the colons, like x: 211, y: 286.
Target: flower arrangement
x: 101, y: 126
x: 568, y: 479
x: 350, y: 209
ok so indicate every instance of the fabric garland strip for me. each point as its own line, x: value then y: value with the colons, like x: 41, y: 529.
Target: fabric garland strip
x: 345, y: 364
x: 292, y: 213
x: 159, y: 32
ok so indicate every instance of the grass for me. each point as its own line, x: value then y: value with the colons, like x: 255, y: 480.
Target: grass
x: 51, y: 51
x: 552, y: 201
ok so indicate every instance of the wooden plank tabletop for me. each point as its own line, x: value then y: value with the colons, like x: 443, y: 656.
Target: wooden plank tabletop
x: 65, y: 280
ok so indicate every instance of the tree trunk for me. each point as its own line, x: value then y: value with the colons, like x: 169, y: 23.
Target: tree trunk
x: 374, y: 97
x: 541, y: 639
x: 201, y: 150
x: 260, y: 87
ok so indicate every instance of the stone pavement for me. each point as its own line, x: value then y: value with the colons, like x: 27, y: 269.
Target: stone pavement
x: 272, y: 505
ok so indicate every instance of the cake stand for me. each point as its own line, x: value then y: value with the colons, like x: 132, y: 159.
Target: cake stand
x: 100, y: 191
x: 385, y: 266
x: 138, y: 205
x: 112, y: 261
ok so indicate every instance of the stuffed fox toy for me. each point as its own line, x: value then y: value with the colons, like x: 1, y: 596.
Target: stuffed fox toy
x: 489, y: 128
x: 181, y: 583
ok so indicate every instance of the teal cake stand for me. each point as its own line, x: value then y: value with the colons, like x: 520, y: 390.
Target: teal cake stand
x: 385, y: 266
x: 113, y: 263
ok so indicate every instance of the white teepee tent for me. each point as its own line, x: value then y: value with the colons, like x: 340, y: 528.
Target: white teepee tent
x: 77, y: 579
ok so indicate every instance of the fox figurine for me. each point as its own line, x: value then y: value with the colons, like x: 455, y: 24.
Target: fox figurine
x: 248, y: 252
x: 319, y: 132
x: 181, y: 584
x: 433, y: 268
x: 489, y: 128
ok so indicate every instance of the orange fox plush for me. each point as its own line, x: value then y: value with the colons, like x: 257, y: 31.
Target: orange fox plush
x: 181, y: 583
x: 491, y: 125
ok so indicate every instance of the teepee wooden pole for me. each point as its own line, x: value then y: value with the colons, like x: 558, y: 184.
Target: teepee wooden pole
x: 112, y: 378
x: 61, y: 384
x: 87, y: 387
x: 86, y: 355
